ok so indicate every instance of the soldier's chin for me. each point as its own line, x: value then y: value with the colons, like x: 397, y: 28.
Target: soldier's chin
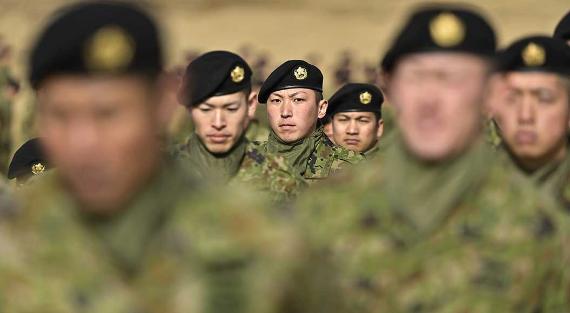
x: 219, y: 148
x: 289, y: 137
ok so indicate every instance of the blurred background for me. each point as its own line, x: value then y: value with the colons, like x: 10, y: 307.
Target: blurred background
x: 344, y: 38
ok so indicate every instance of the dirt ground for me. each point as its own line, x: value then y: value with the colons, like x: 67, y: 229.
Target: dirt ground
x: 316, y: 29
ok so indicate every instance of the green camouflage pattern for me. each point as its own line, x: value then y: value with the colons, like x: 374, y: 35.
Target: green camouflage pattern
x: 326, y: 159
x: 178, y: 247
x: 265, y: 172
x: 467, y: 236
x: 269, y: 173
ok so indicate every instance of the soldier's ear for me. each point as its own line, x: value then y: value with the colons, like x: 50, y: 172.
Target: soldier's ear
x: 323, y: 105
x: 380, y: 129
x: 167, y: 93
x: 251, y: 104
x: 384, y: 82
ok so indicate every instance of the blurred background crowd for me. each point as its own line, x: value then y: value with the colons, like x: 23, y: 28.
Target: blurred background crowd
x: 343, y: 38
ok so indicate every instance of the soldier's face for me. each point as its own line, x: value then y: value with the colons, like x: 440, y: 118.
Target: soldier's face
x: 102, y: 136
x: 533, y: 115
x: 221, y: 121
x: 293, y: 113
x: 357, y: 131
x: 438, y: 100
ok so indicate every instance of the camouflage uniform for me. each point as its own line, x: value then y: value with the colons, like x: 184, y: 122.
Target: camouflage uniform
x: 323, y: 157
x: 465, y: 236
x: 178, y: 247
x: 373, y: 152
x: 265, y: 172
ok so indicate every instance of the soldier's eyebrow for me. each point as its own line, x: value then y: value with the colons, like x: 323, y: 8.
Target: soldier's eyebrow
x: 296, y: 93
x: 225, y: 105
x: 276, y: 95
x: 222, y: 105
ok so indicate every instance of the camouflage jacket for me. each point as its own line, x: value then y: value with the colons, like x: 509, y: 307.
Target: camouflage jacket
x: 265, y: 172
x: 462, y: 237
x: 325, y: 158
x: 178, y: 247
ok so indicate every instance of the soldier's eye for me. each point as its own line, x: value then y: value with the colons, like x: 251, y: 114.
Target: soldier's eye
x: 545, y: 97
x: 275, y: 100
x: 298, y: 99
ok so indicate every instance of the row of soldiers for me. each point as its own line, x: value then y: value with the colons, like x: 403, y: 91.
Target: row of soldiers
x: 463, y: 207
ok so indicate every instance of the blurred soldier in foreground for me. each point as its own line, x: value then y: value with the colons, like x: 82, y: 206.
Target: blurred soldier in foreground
x: 217, y: 93
x: 434, y: 224
x: 28, y: 162
x: 533, y: 110
x: 356, y: 111
x: 562, y: 30
x: 293, y: 93
x: 118, y: 227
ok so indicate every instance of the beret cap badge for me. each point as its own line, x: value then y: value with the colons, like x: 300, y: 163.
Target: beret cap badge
x: 447, y: 30
x: 300, y: 73
x: 237, y: 74
x: 111, y: 49
x: 365, y: 97
x: 533, y: 55
x: 38, y: 168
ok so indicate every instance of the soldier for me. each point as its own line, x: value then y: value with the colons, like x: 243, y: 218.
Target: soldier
x: 28, y: 162
x: 327, y: 127
x: 293, y: 93
x: 434, y: 224
x: 533, y: 109
x: 217, y: 93
x: 562, y: 30
x: 118, y: 227
x: 356, y: 111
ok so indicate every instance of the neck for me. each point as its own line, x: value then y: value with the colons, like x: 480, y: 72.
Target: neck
x: 531, y: 165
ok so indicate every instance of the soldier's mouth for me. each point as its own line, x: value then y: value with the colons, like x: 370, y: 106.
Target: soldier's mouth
x: 287, y: 126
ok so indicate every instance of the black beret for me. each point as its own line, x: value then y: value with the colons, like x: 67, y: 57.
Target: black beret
x: 356, y: 98
x: 29, y: 159
x: 536, y: 53
x: 215, y: 73
x: 292, y: 74
x: 442, y: 28
x: 562, y: 30
x: 97, y: 38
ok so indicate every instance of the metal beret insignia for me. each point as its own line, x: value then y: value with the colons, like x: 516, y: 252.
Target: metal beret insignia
x: 237, y: 74
x: 38, y: 168
x: 111, y: 49
x: 365, y: 97
x: 300, y: 73
x: 533, y: 55
x: 447, y: 30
